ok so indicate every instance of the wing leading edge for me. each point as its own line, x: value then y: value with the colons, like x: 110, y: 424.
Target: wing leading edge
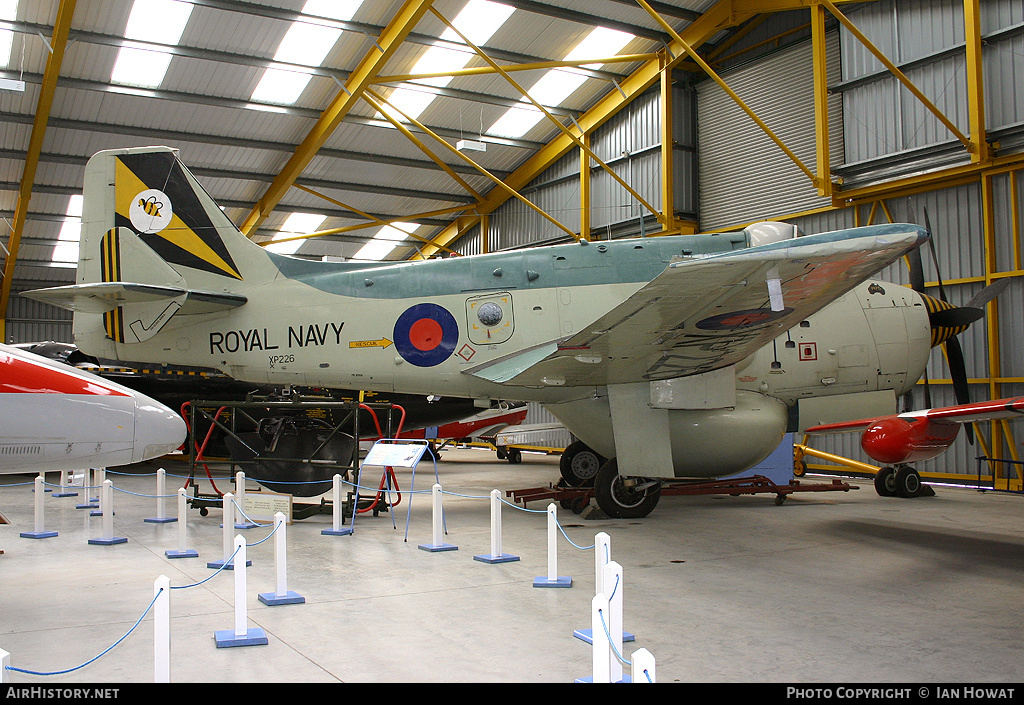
x: 704, y: 313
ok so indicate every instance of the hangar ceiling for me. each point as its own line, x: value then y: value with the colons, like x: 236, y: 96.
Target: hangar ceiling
x: 342, y: 117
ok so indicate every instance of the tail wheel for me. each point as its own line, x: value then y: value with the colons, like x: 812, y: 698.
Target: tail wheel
x: 885, y: 482
x: 624, y: 497
x: 907, y: 481
x: 579, y: 464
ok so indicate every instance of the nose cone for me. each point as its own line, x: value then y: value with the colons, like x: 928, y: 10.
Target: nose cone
x: 158, y: 430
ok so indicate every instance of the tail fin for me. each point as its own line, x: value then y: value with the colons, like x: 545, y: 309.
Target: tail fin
x: 154, y: 246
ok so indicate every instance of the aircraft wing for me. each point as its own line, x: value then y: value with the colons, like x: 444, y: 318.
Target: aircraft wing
x: 705, y: 313
x: 961, y: 413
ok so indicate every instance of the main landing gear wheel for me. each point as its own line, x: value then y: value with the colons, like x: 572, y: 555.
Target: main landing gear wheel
x: 579, y: 464
x: 624, y: 497
x: 885, y: 482
x: 907, y: 481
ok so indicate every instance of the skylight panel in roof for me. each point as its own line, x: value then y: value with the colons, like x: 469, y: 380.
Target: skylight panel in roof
x: 556, y: 85
x: 478, y: 21
x: 306, y: 43
x: 158, y: 21
x: 8, y: 11
x: 295, y: 224
x: 65, y: 252
x: 387, y: 239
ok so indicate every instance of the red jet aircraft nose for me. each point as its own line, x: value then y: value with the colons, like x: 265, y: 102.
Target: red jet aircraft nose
x: 158, y: 430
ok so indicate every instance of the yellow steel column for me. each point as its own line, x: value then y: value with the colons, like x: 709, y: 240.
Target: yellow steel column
x: 58, y: 43
x: 981, y: 151
x: 367, y: 70
x: 821, y: 100
x: 992, y: 327
x: 585, y: 189
x: 668, y: 203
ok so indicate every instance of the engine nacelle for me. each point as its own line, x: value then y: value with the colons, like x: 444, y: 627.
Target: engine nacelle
x: 902, y: 439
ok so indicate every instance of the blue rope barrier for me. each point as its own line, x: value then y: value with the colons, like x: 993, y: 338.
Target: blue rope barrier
x: 97, y: 657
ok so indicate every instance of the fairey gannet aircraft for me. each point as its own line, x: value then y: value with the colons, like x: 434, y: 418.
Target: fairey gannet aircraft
x: 56, y: 417
x: 681, y: 356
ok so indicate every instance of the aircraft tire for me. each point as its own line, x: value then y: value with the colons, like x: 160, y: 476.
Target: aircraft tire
x: 885, y: 482
x: 579, y: 464
x: 618, y: 497
x: 907, y: 481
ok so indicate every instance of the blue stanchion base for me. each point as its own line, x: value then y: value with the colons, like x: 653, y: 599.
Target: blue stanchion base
x: 38, y: 534
x: 500, y: 558
x: 89, y: 505
x: 253, y: 637
x: 545, y: 581
x: 587, y: 635
x: 626, y: 678
x: 108, y: 542
x: 289, y: 598
x: 160, y: 520
x: 64, y: 494
x: 187, y: 553
x: 229, y: 566
x: 338, y: 532
x: 437, y: 547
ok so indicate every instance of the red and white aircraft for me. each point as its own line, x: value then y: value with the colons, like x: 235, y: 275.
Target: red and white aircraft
x: 56, y: 417
x: 915, y: 436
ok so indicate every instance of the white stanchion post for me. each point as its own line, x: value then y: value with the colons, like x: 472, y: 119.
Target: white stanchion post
x: 496, y: 555
x: 99, y: 476
x: 437, y: 525
x: 282, y: 596
x: 161, y: 506
x: 337, y: 509
x: 602, y: 556
x: 182, y: 552
x: 228, y: 531
x: 602, y: 648
x: 642, y: 666
x: 5, y: 661
x: 38, y: 531
x: 107, y: 509
x: 242, y: 522
x: 552, y: 579
x: 614, y: 588
x: 162, y: 630
x: 241, y: 635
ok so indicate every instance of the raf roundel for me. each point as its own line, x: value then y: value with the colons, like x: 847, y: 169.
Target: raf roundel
x: 426, y: 335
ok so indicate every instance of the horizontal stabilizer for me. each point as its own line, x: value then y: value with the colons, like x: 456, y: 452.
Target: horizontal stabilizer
x: 106, y: 296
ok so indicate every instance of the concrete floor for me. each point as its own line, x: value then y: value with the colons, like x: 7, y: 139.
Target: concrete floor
x: 830, y: 587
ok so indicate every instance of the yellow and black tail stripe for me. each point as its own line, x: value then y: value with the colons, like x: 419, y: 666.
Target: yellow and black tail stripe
x: 940, y: 333
x: 110, y: 270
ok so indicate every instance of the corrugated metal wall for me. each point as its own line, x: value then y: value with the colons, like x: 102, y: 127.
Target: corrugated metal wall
x: 737, y: 159
x: 925, y: 39
x: 31, y: 321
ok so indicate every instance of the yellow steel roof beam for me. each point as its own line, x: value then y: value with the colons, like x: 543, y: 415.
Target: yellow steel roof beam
x: 899, y: 75
x: 551, y: 118
x: 729, y: 91
x: 378, y: 101
x: 710, y: 22
x: 58, y: 43
x: 534, y: 66
x: 369, y: 68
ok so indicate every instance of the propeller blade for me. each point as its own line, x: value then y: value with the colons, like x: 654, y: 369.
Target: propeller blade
x: 935, y: 256
x: 916, y: 270
x: 956, y: 317
x: 988, y: 293
x: 958, y: 373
